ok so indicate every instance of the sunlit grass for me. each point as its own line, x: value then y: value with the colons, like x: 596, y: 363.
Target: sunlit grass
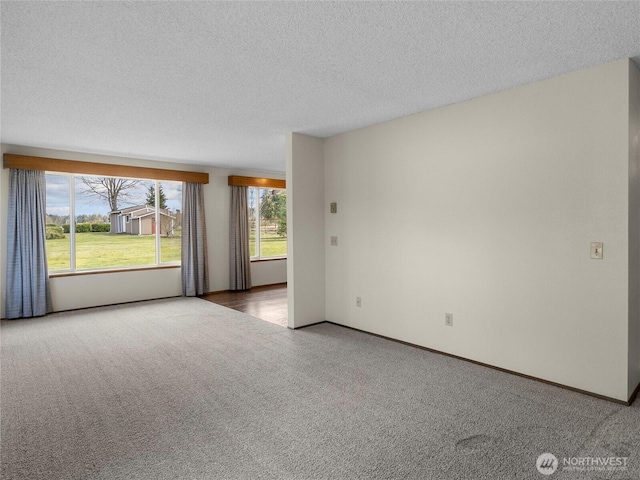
x: 105, y: 250
x: 271, y: 245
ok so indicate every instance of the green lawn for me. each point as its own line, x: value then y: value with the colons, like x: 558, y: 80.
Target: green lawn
x: 271, y: 245
x: 104, y: 250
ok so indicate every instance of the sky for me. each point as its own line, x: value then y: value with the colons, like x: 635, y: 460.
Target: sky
x: 87, y: 203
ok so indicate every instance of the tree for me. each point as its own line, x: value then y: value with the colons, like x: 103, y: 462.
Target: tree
x: 281, y: 215
x: 151, y: 197
x: 57, y: 219
x: 111, y: 190
x: 273, y: 208
x: 167, y: 224
x: 268, y: 206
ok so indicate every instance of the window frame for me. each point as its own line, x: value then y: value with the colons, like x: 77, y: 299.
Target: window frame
x: 258, y: 257
x: 68, y: 167
x: 73, y: 270
x: 259, y: 182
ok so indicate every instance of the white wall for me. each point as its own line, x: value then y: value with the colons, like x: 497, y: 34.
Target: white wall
x: 81, y: 291
x: 305, y: 230
x: 486, y: 209
x: 265, y: 272
x: 634, y: 227
x: 109, y: 288
x: 4, y: 195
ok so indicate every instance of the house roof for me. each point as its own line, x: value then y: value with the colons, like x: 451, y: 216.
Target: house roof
x: 140, y: 211
x: 221, y: 83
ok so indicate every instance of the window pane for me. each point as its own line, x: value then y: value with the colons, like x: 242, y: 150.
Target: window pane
x: 58, y: 243
x: 253, y: 208
x: 115, y: 227
x: 170, y: 203
x: 273, y: 222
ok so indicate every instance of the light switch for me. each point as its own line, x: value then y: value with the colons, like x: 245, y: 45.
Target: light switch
x: 334, y: 241
x: 596, y: 250
x: 334, y: 207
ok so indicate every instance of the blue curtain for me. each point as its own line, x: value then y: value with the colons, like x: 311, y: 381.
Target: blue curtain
x: 239, y: 255
x: 28, y: 293
x: 195, y: 272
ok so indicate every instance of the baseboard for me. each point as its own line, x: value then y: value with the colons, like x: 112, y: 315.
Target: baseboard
x: 634, y: 395
x: 96, y: 306
x: 257, y: 287
x: 312, y: 324
x: 269, y: 285
x: 529, y: 377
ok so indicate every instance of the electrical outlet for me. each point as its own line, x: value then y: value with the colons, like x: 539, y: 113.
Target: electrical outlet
x: 358, y: 302
x: 448, y: 319
x: 334, y: 241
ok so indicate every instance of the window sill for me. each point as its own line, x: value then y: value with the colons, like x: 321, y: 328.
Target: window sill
x: 259, y: 260
x: 115, y: 270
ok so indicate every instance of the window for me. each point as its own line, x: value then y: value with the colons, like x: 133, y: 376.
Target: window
x: 267, y: 222
x: 98, y: 223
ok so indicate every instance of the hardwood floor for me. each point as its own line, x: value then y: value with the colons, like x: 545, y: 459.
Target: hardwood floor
x: 267, y: 302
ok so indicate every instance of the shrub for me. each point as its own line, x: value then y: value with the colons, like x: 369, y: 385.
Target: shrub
x: 54, y: 232
x: 100, y: 227
x: 88, y: 227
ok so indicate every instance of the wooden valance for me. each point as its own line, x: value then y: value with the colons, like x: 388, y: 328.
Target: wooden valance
x: 25, y: 162
x: 235, y: 180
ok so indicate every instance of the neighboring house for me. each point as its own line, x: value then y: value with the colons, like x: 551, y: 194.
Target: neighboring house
x: 140, y: 220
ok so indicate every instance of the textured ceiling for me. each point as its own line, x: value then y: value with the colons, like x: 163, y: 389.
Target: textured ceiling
x: 220, y: 84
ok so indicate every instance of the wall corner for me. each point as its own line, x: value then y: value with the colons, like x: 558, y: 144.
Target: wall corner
x: 305, y: 229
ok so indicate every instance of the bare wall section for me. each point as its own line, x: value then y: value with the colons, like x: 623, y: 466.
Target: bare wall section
x: 305, y: 230
x: 634, y: 227
x: 486, y: 210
